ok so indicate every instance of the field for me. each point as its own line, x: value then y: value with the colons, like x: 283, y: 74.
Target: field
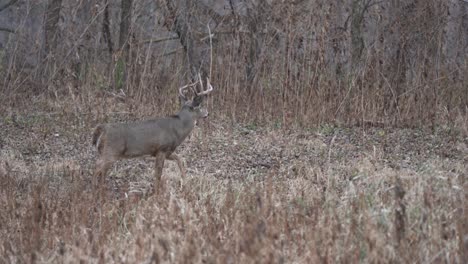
x: 253, y: 193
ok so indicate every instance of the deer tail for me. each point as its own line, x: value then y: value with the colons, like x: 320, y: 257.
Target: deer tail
x: 97, y: 134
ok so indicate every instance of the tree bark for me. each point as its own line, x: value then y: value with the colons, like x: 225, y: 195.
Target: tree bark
x: 106, y: 28
x: 51, y: 25
x: 357, y: 40
x: 125, y: 20
x: 121, y: 71
x: 254, y: 48
x: 181, y: 26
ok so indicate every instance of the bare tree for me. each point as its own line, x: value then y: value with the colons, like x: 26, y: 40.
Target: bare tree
x: 357, y: 40
x: 106, y: 28
x: 254, y: 20
x: 124, y: 46
x: 182, y: 25
x: 125, y: 20
x: 51, y: 25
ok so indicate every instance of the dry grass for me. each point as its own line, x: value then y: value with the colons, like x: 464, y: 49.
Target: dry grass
x: 253, y: 194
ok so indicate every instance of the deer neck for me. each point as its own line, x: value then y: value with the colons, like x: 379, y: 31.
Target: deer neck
x: 187, y: 121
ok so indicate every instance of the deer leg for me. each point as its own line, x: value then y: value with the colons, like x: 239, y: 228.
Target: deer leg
x: 158, y: 169
x: 176, y: 158
x: 102, y: 166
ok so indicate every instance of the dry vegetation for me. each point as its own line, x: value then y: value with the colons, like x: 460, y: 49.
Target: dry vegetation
x: 316, y: 150
x: 253, y: 193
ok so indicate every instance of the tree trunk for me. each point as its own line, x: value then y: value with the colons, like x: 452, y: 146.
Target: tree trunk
x: 182, y: 28
x: 254, y: 48
x: 357, y: 40
x: 106, y: 28
x: 121, y: 70
x: 125, y: 20
x: 51, y: 25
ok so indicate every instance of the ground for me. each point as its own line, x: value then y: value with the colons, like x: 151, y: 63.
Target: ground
x: 252, y: 193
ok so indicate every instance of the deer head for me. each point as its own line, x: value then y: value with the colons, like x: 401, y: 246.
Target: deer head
x: 194, y: 106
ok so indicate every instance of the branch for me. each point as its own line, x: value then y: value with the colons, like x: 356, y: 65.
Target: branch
x: 158, y: 40
x: 5, y: 6
x: 169, y: 53
x: 9, y: 30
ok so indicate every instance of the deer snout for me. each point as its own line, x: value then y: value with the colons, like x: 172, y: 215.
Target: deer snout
x: 204, y: 113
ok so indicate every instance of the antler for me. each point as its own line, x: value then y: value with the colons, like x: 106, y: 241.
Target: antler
x: 181, y: 89
x: 201, y: 82
x: 208, y: 84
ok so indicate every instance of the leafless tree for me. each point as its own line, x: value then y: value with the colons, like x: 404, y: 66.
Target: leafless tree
x: 106, y: 28
x: 51, y: 24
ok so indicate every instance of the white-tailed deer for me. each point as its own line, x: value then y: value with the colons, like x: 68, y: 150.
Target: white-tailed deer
x: 157, y: 137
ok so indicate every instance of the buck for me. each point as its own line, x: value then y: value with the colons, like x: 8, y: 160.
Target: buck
x: 157, y: 137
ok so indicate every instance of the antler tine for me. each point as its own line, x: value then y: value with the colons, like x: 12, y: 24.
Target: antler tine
x: 201, y: 82
x: 181, y: 89
x: 210, y: 88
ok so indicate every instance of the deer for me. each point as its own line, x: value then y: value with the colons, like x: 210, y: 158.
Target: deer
x: 158, y: 137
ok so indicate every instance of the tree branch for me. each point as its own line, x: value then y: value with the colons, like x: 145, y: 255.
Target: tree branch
x: 9, y: 30
x: 158, y: 40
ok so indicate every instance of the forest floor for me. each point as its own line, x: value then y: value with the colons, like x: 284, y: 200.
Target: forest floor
x: 252, y: 193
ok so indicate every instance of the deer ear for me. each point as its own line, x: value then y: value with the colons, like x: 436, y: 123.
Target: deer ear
x: 182, y: 99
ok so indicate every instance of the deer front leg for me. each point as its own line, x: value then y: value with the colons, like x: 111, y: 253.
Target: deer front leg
x: 101, y: 168
x: 176, y: 158
x: 158, y: 169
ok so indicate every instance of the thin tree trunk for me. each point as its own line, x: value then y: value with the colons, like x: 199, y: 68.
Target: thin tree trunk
x: 182, y: 28
x: 357, y: 40
x: 51, y: 25
x: 106, y: 28
x: 121, y: 71
x: 125, y: 20
x: 254, y: 48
